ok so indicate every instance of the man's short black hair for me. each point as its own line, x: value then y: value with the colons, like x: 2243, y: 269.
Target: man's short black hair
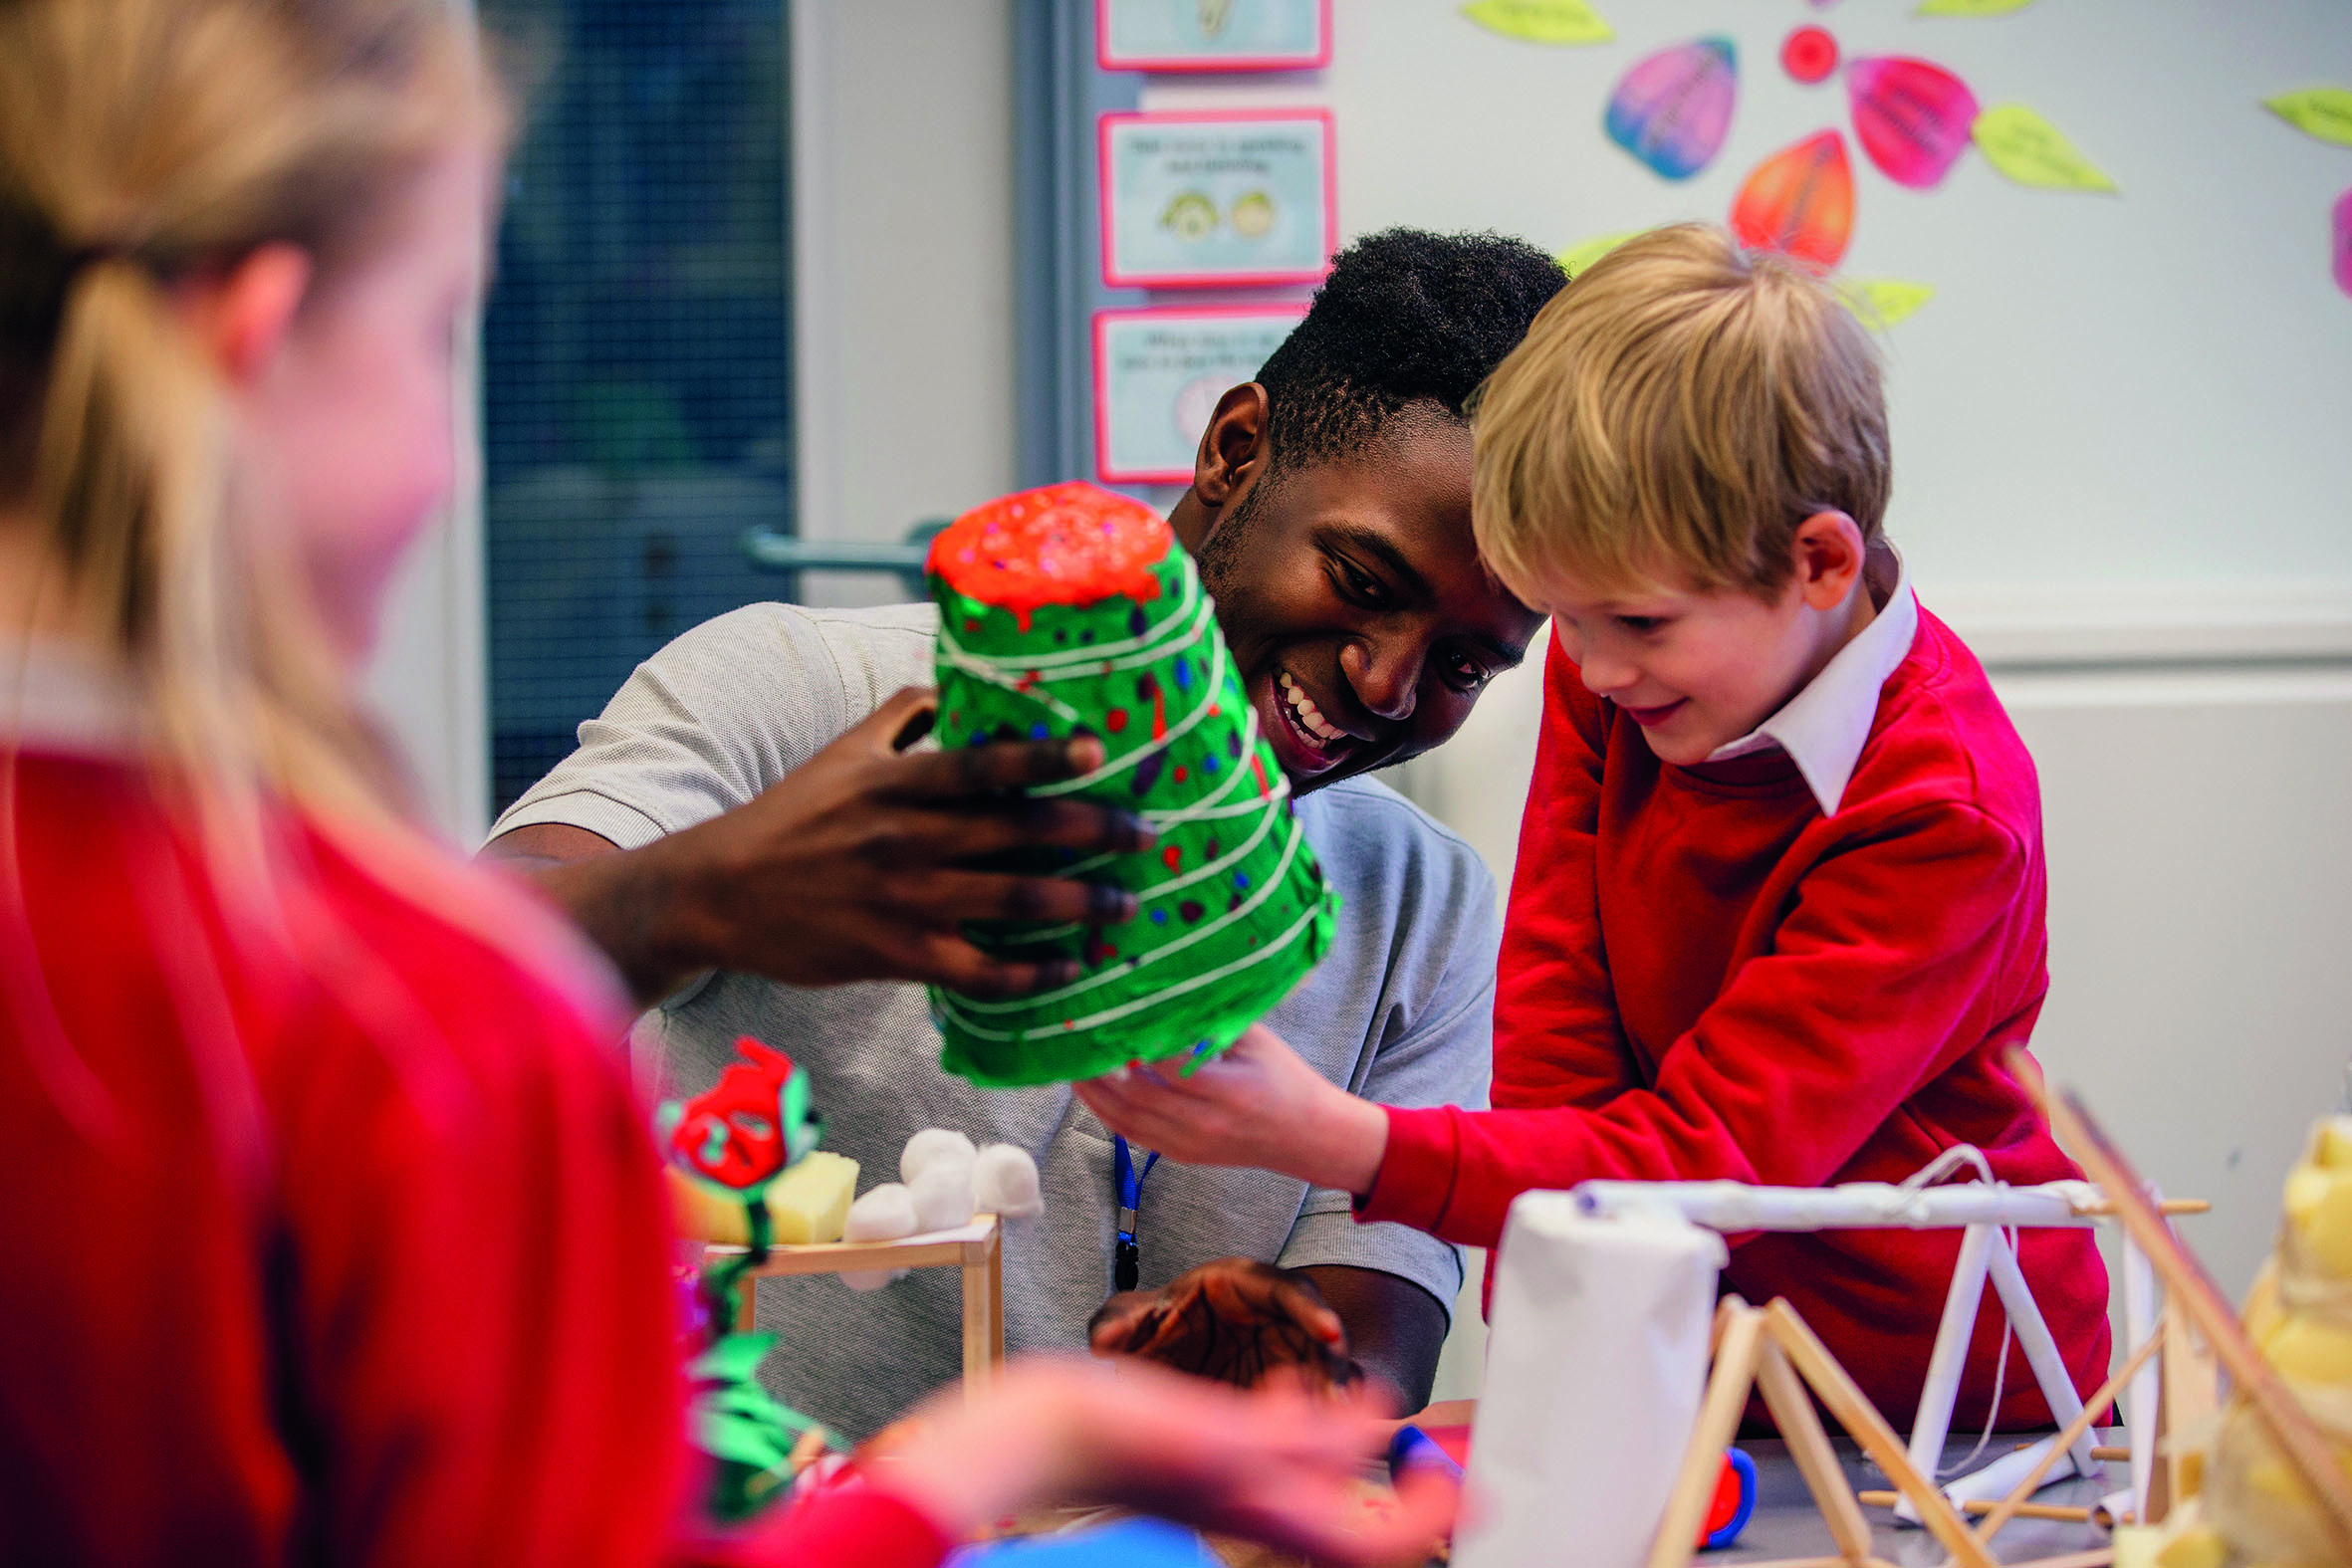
x: 1406, y: 318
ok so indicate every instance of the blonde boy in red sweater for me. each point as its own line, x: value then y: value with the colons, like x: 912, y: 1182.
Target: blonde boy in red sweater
x: 1779, y: 906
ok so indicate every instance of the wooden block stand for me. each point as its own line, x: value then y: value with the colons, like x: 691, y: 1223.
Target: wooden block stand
x: 977, y: 1248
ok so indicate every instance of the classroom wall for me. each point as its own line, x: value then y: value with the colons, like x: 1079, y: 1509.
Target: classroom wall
x: 903, y: 115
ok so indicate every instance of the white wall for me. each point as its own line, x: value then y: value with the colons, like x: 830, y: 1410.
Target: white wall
x: 902, y: 117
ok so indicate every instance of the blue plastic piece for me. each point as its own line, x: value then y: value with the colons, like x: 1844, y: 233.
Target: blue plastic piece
x: 1130, y: 1543
x: 1412, y: 1447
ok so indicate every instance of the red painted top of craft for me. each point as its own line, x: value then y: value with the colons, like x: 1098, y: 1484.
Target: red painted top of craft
x: 1068, y: 544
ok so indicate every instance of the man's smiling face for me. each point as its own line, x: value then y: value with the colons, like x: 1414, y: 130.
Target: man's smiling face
x: 1361, y: 622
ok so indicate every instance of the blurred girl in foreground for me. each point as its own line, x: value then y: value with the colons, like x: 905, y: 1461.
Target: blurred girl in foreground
x: 328, y: 1229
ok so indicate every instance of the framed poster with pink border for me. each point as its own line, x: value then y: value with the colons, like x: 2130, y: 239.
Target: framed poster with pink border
x: 1213, y: 35
x: 1158, y: 374
x: 1217, y: 201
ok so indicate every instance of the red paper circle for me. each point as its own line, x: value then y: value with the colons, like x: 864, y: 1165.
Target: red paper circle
x: 1809, y: 54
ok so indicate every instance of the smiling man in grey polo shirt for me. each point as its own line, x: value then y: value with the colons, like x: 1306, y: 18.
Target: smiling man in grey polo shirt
x: 1330, y: 513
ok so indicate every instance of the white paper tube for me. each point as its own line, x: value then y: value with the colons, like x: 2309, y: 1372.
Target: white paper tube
x: 1856, y: 1205
x: 1596, y: 1358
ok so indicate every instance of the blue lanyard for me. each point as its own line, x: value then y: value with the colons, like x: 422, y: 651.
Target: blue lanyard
x: 1127, y: 1259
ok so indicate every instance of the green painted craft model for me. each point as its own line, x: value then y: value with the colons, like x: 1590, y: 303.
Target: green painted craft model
x: 1070, y: 610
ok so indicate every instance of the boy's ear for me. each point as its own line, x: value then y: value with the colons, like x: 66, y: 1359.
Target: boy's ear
x: 1234, y: 448
x: 1828, y: 556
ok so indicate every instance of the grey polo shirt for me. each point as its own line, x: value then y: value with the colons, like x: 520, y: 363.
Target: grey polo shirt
x: 1399, y: 1010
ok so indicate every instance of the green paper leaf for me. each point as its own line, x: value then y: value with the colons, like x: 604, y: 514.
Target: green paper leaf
x: 2032, y: 151
x: 738, y: 1441
x: 732, y: 1360
x: 1542, y: 21
x: 2323, y: 111
x: 1576, y: 258
x: 1969, y: 7
x: 1882, y: 302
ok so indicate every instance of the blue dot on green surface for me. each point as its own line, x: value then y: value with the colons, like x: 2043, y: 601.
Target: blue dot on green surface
x: 1038, y: 732
x: 1209, y: 763
x: 1159, y: 917
x: 1240, y: 879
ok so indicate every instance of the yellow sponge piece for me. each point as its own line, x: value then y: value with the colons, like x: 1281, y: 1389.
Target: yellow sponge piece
x: 809, y: 1203
x: 2333, y: 1147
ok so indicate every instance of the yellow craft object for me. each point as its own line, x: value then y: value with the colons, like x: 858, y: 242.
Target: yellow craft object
x: 2309, y: 1350
x: 2320, y: 1208
x: 809, y: 1203
x: 2197, y: 1547
x: 2331, y: 1150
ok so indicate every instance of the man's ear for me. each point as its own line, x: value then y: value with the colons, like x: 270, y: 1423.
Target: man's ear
x: 1234, y: 448
x: 1828, y: 553
x: 241, y: 313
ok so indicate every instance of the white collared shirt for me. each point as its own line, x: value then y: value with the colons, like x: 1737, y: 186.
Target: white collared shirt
x: 1823, y: 727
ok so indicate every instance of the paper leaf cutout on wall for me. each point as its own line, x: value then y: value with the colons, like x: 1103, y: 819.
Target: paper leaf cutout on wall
x: 1913, y: 117
x: 1969, y: 7
x: 2325, y: 113
x: 1809, y: 53
x: 1542, y: 21
x: 2032, y: 151
x: 1673, y: 110
x: 1882, y: 302
x: 1800, y: 200
x: 1576, y: 258
x: 2343, y: 242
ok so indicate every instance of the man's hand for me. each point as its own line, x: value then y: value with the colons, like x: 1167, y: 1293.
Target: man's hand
x: 1235, y: 1321
x: 861, y: 864
x: 1258, y: 1104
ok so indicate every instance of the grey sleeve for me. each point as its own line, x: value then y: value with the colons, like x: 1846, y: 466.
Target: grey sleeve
x: 1443, y: 1056
x: 716, y: 717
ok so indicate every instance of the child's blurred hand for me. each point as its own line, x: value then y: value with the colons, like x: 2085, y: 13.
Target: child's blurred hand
x: 1276, y: 1464
x: 1258, y: 1104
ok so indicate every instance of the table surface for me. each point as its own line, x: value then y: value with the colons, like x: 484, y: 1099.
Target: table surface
x: 1786, y: 1524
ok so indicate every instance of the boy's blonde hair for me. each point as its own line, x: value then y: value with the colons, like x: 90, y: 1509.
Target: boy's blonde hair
x: 1675, y: 413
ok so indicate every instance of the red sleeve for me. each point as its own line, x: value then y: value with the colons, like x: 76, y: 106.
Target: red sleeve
x: 856, y: 1526
x: 1558, y: 1038
x: 1867, y: 994
x: 474, y: 1270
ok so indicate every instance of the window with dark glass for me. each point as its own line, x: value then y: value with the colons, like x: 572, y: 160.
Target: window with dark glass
x: 636, y: 366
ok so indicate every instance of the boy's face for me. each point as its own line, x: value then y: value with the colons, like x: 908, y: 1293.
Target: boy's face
x: 1361, y: 622
x: 1699, y: 668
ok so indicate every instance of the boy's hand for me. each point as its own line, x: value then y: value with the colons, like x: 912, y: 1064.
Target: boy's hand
x: 1235, y: 1321
x: 1258, y: 1104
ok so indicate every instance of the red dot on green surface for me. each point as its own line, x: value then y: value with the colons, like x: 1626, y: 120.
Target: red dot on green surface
x: 1180, y: 772
x: 1174, y: 855
x: 1115, y: 719
x: 1809, y: 53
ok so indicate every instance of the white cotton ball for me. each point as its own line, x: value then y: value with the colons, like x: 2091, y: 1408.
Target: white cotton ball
x: 929, y: 1146
x: 1005, y: 1182
x: 884, y: 1215
x: 943, y: 1195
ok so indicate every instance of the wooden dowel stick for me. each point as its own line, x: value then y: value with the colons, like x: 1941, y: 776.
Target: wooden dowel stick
x: 2187, y: 1285
x: 1979, y: 1506
x: 2009, y: 1506
x: 1719, y: 1423
x: 1808, y: 1445
x: 1867, y: 1427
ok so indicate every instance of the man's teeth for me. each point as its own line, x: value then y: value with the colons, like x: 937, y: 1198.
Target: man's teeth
x: 1310, y: 718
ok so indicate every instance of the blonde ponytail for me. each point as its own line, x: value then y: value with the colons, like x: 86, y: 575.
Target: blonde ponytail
x: 140, y: 141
